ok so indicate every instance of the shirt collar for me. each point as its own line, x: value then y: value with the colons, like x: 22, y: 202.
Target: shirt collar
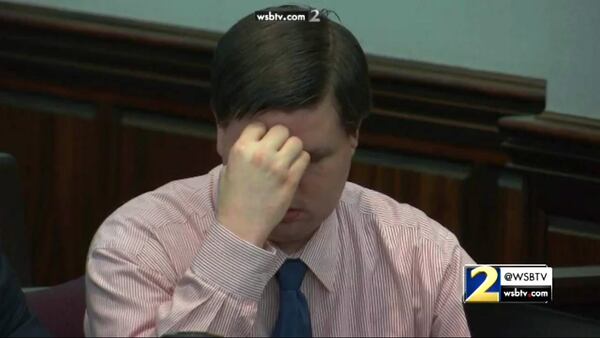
x: 321, y: 253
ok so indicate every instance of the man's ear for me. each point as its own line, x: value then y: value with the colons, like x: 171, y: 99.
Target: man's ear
x: 220, y: 141
x: 354, y: 139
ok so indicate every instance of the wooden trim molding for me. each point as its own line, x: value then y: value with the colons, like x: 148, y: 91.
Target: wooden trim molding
x: 161, y: 68
x: 554, y: 144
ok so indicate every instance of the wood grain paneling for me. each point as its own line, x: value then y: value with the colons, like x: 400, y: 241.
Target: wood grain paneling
x: 61, y: 164
x: 156, y: 150
x: 572, y: 243
x: 512, y: 218
x: 559, y: 157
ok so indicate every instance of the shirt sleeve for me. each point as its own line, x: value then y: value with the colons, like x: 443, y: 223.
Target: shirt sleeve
x: 218, y: 294
x: 449, y: 316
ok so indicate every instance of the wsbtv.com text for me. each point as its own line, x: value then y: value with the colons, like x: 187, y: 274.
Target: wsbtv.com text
x: 307, y: 16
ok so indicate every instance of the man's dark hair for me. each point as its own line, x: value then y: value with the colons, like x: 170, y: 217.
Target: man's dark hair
x: 261, y: 65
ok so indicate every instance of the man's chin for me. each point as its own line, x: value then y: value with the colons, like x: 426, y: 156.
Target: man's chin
x: 287, y: 231
x: 294, y: 231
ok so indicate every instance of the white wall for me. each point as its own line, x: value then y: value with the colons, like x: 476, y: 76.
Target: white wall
x: 558, y: 40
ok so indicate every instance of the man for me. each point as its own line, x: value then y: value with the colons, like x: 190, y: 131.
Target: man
x: 275, y: 242
x: 15, y: 318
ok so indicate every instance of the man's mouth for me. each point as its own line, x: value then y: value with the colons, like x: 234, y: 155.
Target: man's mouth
x: 291, y: 215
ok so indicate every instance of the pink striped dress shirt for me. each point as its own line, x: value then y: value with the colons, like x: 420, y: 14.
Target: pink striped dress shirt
x: 162, y: 263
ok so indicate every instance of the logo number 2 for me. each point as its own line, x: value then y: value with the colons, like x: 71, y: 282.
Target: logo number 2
x: 481, y: 294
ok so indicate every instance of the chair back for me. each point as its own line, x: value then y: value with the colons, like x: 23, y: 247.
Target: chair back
x: 12, y: 226
x: 60, y: 308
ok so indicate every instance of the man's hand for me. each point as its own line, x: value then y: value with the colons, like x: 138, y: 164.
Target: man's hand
x: 259, y: 181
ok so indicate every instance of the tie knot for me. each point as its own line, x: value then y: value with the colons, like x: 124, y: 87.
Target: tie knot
x: 291, y: 274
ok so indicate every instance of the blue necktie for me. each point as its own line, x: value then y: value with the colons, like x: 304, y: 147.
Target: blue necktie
x: 294, y: 318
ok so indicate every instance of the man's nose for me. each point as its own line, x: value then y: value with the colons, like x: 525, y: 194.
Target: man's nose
x: 302, y: 182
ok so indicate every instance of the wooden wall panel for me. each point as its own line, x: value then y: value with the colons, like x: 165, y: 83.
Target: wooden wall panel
x: 155, y: 150
x: 512, y: 218
x: 59, y: 152
x: 572, y: 247
x: 559, y: 158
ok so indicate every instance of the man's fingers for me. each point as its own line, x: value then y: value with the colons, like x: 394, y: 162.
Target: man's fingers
x: 290, y: 151
x: 276, y: 137
x: 253, y: 132
x: 297, y: 169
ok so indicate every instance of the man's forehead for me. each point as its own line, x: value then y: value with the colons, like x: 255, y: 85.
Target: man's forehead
x: 310, y: 134
x: 320, y: 118
x: 298, y: 121
x: 318, y: 126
